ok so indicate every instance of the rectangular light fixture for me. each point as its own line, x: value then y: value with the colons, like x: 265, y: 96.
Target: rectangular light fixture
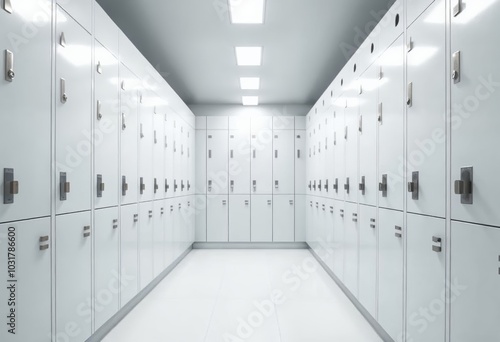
x: 246, y: 11
x: 250, y: 100
x: 249, y: 56
x: 250, y: 83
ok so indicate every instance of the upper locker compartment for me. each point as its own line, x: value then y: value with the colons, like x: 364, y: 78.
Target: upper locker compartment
x: 105, y: 30
x: 390, y: 26
x: 80, y: 10
x: 26, y: 111
x: 414, y: 8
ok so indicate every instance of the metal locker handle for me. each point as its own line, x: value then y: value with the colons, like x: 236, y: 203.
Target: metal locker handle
x: 99, y: 114
x: 409, y: 45
x: 154, y: 137
x: 464, y: 186
x: 232, y: 185
x: 150, y: 213
x: 298, y: 154
x: 62, y: 40
x: 209, y: 154
x: 115, y: 223
x: 99, y: 69
x: 409, y: 99
x: 123, y: 85
x: 136, y: 217
x: 456, y: 63
x: 86, y: 231
x: 11, y: 186
x: 64, y: 95
x: 362, y: 185
x: 232, y: 154
x: 254, y: 154
x: 141, y: 132
x: 254, y: 185
x: 9, y: 66
x: 380, y: 111
x: 437, y: 248
x: 276, y: 184
x: 7, y: 6
x: 124, y: 125
x: 457, y: 8
x: 209, y: 185
x: 124, y: 186
x: 276, y: 154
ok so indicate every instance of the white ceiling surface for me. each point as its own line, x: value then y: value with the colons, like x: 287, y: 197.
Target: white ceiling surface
x: 191, y: 43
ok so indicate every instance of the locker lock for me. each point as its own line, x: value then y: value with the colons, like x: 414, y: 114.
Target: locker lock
x: 354, y: 217
x: 463, y: 186
x: 150, y: 213
x: 64, y: 186
x: 86, y: 231
x: 372, y: 223
x: 115, y: 223
x: 9, y: 66
x: 11, y: 186
x: 341, y: 212
x: 136, y: 218
x: 437, y: 244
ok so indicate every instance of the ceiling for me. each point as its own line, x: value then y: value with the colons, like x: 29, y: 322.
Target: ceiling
x: 191, y: 43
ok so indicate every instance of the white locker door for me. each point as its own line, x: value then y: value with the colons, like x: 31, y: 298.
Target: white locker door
x: 185, y: 166
x: 283, y: 122
x: 315, y: 228
x: 391, y: 25
x: 368, y: 258
x: 475, y: 102
x: 81, y: 10
x: 351, y: 249
x: 320, y: 157
x: 106, y: 121
x: 30, y: 196
x: 329, y: 246
x: 73, y: 115
x: 300, y: 162
x: 262, y: 218
x: 262, y: 162
x: 146, y: 254
x: 26, y: 262
x: 283, y: 162
x: 426, y: 137
x: 475, y: 298
x: 168, y: 226
x: 425, y: 260
x: 339, y: 239
x: 73, y: 276
x: 158, y: 237
x: 169, y: 156
x: 217, y: 162
x: 283, y: 218
x: 129, y: 184
x: 351, y: 145
x: 339, y: 147
x: 201, y: 161
x: 329, y: 154
x: 176, y: 182
x: 368, y: 185
x: 129, y: 252
x: 158, y: 153
x: 192, y: 220
x: 390, y: 272
x: 201, y: 218
x: 300, y: 218
x: 415, y: 8
x: 239, y: 218
x: 309, y: 220
x: 186, y: 216
x: 321, y: 227
x: 145, y: 146
x: 217, y: 218
x: 239, y: 162
x: 191, y: 162
x: 391, y: 113
x: 106, y: 265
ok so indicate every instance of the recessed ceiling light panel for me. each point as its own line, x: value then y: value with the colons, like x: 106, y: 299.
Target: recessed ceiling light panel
x: 246, y: 11
x: 249, y: 56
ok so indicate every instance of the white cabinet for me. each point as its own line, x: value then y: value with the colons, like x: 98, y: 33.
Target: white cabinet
x: 329, y: 154
x: 73, y: 110
x: 169, y: 156
x: 351, y: 249
x: 425, y: 261
x: 262, y: 162
x: 106, y: 121
x: 106, y: 265
x: 391, y: 128
x: 239, y: 162
x: 159, y: 152
x: 415, y: 8
x: 283, y: 162
x: 368, y: 258
x: 217, y: 162
x: 129, y: 252
x: 146, y: 254
x: 283, y: 218
x: 25, y: 114
x: 239, y: 218
x: 217, y: 218
x: 201, y: 218
x: 262, y: 218
x: 81, y: 10
x: 145, y: 146
x: 159, y: 214
x: 475, y: 103
x: 201, y: 161
x: 25, y: 251
x: 426, y: 108
x: 339, y: 150
x: 73, y: 285
x: 475, y: 281
x: 390, y: 272
x: 240, y: 123
x: 129, y: 182
x: 300, y: 162
x: 351, y: 144
x: 338, y: 244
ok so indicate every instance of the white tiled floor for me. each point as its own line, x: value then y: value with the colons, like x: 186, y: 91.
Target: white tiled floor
x: 245, y: 296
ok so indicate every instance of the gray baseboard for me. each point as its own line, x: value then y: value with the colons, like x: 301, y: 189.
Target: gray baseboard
x: 250, y: 245
x: 378, y: 328
x: 113, y: 321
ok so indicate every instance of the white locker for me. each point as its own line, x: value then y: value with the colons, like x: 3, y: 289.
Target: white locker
x: 105, y: 30
x: 283, y: 122
x: 106, y: 121
x: 73, y: 113
x: 217, y: 162
x: 201, y: 218
x: 339, y: 180
x: 177, y: 137
x: 158, y: 237
x: 425, y: 260
x: 239, y: 218
x: 367, y: 181
x: 185, y: 226
x: 168, y: 225
x: 159, y: 151
x: 300, y: 218
x: 262, y: 162
x: 415, y: 8
x: 184, y: 176
x: 390, y: 26
x: 314, y: 236
x: 129, y: 181
x: 240, y: 123
x: 283, y: 162
x: 146, y: 253
x: 261, y: 123
x: 146, y: 139
x: 30, y: 196
x: 329, y: 154
x: 191, y: 201
x: 217, y: 122
x: 73, y: 275
x: 351, y: 143
x: 300, y: 162
x: 309, y: 221
x: 81, y: 10
x: 239, y: 162
x: 300, y: 123
x: 426, y: 109
x: 191, y: 145
x: 129, y: 252
x: 329, y: 247
x: 106, y: 265
x: 475, y: 103
x: 390, y: 117
x: 262, y: 218
x: 169, y: 155
x: 368, y: 258
x: 322, y: 231
x: 29, y: 263
x: 390, y: 272
x: 284, y: 218
x: 338, y: 244
x: 351, y: 249
x: 475, y: 281
x: 178, y: 226
x: 217, y: 218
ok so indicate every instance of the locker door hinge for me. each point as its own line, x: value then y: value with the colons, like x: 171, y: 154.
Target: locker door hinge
x: 457, y: 8
x: 64, y: 186
x: 399, y: 232
x: 10, y: 186
x: 100, y: 186
x: 463, y: 187
x: 9, y: 66
x: 382, y: 187
x: 437, y: 245
x: 413, y: 185
x: 456, y: 63
x: 124, y: 186
x: 362, y: 185
x: 44, y: 243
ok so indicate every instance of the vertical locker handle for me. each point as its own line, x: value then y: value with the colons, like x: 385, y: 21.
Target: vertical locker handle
x: 7, y: 6
x: 124, y: 125
x: 210, y: 154
x: 99, y: 69
x: 254, y: 154
x: 456, y: 72
x: 62, y: 40
x: 457, y: 8
x: 409, y: 98
x: 99, y: 107
x: 141, y: 132
x: 298, y: 154
x: 64, y: 95
x: 232, y: 154
x: 380, y: 111
x: 9, y: 66
x: 276, y: 154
